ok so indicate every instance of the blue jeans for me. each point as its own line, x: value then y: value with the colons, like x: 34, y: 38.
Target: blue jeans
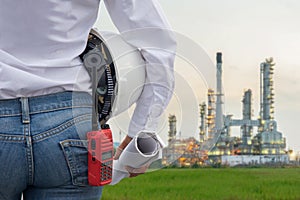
x: 43, y: 150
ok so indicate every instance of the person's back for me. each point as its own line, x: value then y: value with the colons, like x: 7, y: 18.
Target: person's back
x: 39, y: 45
x: 45, y: 101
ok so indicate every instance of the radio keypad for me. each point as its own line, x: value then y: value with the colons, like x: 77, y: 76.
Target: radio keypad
x: 106, y: 170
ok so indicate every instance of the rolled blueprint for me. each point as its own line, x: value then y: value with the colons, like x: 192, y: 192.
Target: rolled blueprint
x: 143, y: 149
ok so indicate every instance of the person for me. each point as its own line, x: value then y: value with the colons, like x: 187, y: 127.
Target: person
x: 45, y: 101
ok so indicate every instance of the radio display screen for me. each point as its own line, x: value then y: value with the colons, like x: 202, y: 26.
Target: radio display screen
x: 107, y: 155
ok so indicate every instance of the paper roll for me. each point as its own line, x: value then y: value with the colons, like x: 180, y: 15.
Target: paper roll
x: 143, y: 149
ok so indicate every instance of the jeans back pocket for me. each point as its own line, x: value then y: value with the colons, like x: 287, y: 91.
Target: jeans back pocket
x: 76, y: 155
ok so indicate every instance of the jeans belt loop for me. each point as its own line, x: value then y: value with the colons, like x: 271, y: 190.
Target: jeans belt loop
x: 25, y: 110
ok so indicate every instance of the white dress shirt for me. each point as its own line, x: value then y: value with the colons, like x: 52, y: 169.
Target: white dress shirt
x: 40, y: 42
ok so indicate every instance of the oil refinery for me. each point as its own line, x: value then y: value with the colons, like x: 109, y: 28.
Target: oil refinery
x: 216, y: 143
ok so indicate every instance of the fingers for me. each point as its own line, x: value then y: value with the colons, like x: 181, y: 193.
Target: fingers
x: 131, y: 175
x: 133, y: 172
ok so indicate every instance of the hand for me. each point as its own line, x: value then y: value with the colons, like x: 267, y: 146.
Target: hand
x: 122, y: 146
x: 133, y: 172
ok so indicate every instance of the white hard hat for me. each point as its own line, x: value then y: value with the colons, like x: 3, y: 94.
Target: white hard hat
x: 129, y: 68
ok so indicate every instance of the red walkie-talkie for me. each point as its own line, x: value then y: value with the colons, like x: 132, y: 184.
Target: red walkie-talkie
x: 100, y: 142
x: 100, y: 156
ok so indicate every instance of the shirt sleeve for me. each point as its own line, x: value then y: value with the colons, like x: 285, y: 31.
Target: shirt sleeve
x: 142, y: 24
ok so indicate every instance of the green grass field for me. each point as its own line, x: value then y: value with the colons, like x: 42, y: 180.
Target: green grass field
x: 209, y: 184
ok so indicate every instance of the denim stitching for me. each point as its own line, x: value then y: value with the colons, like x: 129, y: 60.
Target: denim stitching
x: 68, y: 99
x: 12, y: 138
x: 25, y: 119
x: 29, y: 153
x: 9, y: 114
x: 60, y: 108
x: 71, y: 161
x: 60, y: 128
x: 74, y: 143
x: 68, y: 158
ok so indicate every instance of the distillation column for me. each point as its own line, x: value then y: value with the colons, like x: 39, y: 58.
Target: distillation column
x: 172, y: 128
x: 247, y: 129
x: 169, y: 153
x: 268, y: 139
x: 211, y: 113
x: 267, y: 90
x: 202, y: 122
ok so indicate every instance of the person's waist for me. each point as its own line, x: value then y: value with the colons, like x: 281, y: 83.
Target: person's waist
x: 45, y: 103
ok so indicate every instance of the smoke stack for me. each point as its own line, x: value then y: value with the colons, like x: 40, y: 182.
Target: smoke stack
x: 219, y: 94
x: 219, y: 57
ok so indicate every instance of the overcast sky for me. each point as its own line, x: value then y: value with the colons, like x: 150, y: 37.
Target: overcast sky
x: 246, y: 32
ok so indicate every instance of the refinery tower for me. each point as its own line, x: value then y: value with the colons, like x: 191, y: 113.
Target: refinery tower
x: 216, y: 126
x: 259, y: 141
